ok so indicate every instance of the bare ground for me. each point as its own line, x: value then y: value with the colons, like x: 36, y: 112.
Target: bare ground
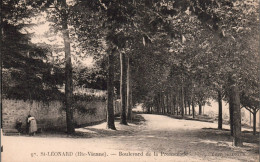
x: 151, y: 137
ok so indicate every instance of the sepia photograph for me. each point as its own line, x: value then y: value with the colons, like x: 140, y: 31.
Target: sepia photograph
x: 130, y: 80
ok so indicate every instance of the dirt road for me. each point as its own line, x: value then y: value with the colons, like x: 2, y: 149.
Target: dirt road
x: 157, y: 138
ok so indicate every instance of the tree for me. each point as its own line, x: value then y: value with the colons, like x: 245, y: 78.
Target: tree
x: 235, y: 102
x: 26, y: 66
x: 68, y: 68
x: 95, y: 31
x: 232, y: 38
x: 110, y: 91
x: 251, y: 103
x: 123, y: 87
x: 129, y: 91
x: 219, y: 110
x: 61, y: 8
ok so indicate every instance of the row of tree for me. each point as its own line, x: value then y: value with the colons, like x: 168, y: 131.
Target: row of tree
x: 187, y: 51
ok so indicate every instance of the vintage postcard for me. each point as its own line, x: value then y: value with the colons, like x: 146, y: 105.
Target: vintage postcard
x: 129, y: 80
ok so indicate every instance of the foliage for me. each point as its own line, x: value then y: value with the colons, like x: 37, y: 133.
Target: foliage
x: 26, y: 71
x: 91, y: 78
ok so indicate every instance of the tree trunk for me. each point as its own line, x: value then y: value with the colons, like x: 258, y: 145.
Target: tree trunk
x: 189, y: 107
x: 193, y: 109
x: 129, y: 92
x: 200, y: 108
x: 123, y: 87
x: 110, y: 91
x: 177, y: 103
x: 170, y: 103
x: 155, y: 103
x: 231, y: 117
x: 237, y: 139
x: 158, y: 103
x: 167, y: 102
x: 163, y: 103
x: 68, y: 70
x: 254, y: 122
x: 185, y: 107
x: 219, y: 110
x: 174, y: 105
x: 1, y: 63
x: 182, y: 100
x: 161, y: 108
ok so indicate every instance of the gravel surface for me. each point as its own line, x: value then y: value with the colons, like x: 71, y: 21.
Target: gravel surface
x: 148, y: 138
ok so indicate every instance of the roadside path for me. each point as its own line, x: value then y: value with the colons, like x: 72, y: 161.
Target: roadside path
x: 158, y: 138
